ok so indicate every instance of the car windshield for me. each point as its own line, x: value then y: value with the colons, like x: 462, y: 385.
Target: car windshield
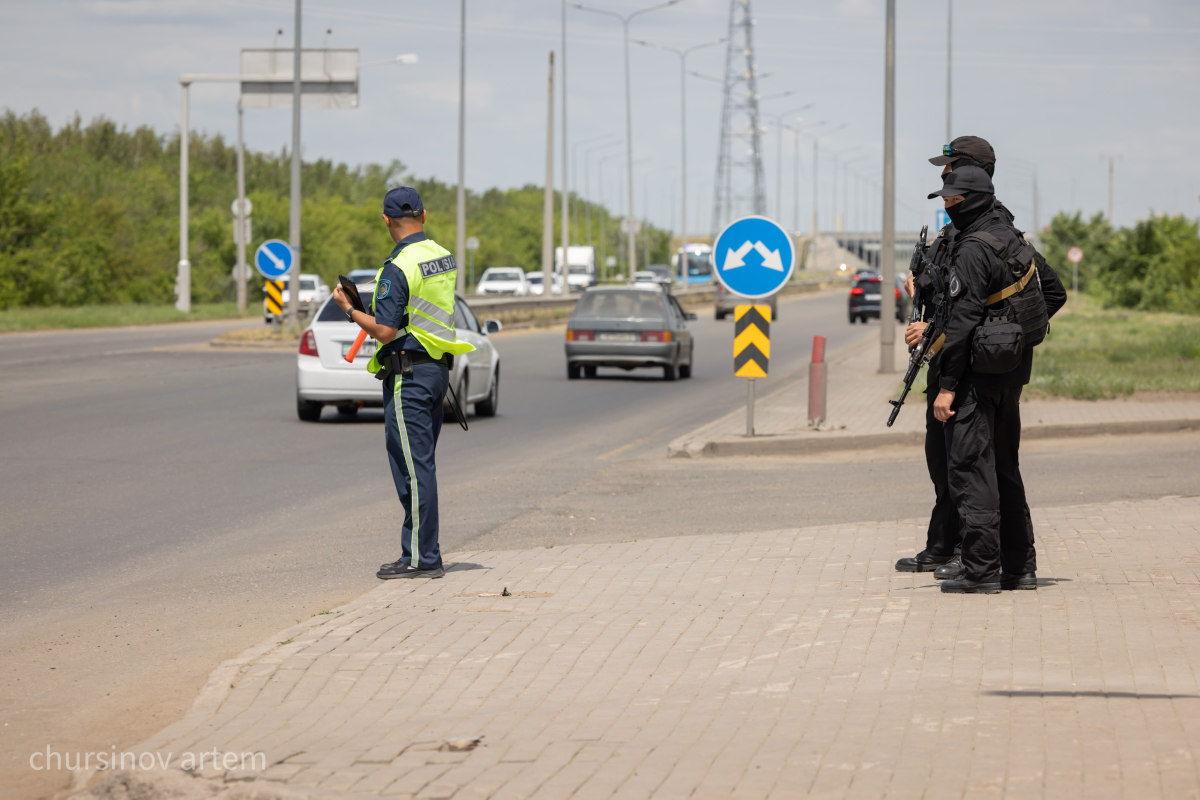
x: 535, y: 279
x: 619, y: 304
x: 502, y: 275
x: 866, y: 281
x: 579, y: 270
x: 659, y: 269
x: 331, y: 313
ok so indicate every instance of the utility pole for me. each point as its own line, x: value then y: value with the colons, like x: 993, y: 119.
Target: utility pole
x: 566, y: 190
x: 183, y: 274
x: 887, y: 304
x: 548, y: 194
x: 294, y: 217
x: 460, y: 233
x: 1110, y: 190
x: 241, y: 215
x: 949, y: 61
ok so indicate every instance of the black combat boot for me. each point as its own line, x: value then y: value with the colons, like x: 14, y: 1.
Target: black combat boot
x: 968, y: 585
x: 1027, y: 580
x: 950, y: 570
x: 923, y: 561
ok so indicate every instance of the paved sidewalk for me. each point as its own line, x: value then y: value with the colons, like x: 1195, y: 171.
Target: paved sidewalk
x: 857, y: 412
x: 795, y: 663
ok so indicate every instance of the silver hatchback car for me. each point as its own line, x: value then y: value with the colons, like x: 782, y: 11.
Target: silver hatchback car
x: 627, y: 327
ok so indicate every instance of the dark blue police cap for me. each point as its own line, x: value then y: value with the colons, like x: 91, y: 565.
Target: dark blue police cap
x: 395, y: 201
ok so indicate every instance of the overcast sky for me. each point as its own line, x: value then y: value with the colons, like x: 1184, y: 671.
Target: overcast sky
x: 1057, y: 86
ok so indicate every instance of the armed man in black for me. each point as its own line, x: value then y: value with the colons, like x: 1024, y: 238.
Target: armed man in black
x: 943, y: 539
x: 999, y: 309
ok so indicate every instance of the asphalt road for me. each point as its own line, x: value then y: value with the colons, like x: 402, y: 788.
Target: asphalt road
x: 164, y: 509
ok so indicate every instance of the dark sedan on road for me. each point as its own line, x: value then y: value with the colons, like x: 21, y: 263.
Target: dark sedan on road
x: 866, y: 296
x: 626, y: 327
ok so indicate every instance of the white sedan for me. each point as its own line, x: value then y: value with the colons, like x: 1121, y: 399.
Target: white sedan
x: 323, y: 377
x: 503, y: 280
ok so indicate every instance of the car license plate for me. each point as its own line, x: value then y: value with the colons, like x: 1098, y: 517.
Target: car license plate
x: 366, y: 351
x: 616, y: 337
x: 870, y: 296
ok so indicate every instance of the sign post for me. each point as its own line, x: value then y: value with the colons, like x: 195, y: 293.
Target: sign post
x: 1075, y: 255
x: 273, y: 259
x: 472, y: 245
x: 753, y: 257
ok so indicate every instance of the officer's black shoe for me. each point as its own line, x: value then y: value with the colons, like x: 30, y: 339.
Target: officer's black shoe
x: 967, y: 585
x: 398, y: 570
x: 950, y: 570
x: 1026, y: 580
x: 923, y: 561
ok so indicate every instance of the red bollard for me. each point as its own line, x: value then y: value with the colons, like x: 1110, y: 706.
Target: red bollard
x: 816, y: 383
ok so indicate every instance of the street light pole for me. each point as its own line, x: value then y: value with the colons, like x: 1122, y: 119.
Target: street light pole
x: 548, y: 192
x: 887, y: 304
x: 183, y: 273
x: 460, y: 219
x: 683, y: 54
x: 625, y: 20
x: 294, y: 216
x: 566, y: 190
x: 241, y: 215
x: 949, y: 60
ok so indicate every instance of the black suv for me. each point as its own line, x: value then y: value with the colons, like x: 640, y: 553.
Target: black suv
x: 865, y: 297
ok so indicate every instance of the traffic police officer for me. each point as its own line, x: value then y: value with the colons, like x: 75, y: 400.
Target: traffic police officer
x: 978, y: 403
x: 412, y: 317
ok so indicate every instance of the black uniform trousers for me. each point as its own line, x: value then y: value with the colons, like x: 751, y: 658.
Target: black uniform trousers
x: 982, y: 443
x: 944, y: 536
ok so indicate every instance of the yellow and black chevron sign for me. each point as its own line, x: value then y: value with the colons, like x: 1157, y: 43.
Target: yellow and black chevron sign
x: 751, y: 341
x: 273, y: 292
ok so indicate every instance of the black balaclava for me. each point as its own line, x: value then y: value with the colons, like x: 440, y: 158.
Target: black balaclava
x: 973, y: 206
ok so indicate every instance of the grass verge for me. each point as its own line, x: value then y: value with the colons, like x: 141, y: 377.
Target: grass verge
x: 110, y: 316
x: 1094, y: 353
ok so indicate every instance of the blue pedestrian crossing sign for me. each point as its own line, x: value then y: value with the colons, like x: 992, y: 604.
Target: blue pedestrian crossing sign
x: 942, y: 219
x: 273, y: 259
x: 754, y: 257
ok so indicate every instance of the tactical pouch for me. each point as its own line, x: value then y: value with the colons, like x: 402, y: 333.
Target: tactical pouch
x: 998, y: 345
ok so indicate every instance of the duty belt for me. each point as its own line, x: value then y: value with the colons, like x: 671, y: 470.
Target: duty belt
x: 402, y: 362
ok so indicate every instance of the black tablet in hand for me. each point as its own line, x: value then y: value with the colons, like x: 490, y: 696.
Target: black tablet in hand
x: 351, y: 292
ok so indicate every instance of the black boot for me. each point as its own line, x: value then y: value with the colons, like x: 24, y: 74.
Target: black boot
x: 950, y: 570
x: 1027, y: 580
x: 398, y: 570
x: 923, y: 561
x: 968, y: 585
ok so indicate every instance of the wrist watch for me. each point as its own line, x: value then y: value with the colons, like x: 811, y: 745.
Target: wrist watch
x: 350, y: 313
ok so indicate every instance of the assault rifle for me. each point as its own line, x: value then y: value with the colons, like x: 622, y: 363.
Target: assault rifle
x: 926, y: 281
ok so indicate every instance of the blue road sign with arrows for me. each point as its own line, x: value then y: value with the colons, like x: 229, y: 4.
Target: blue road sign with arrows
x: 273, y: 259
x: 754, y: 257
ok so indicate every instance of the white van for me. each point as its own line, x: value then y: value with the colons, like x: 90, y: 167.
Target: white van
x: 581, y: 266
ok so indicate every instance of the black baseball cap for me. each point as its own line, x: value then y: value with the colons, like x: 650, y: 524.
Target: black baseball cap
x: 964, y: 180
x: 970, y: 146
x: 395, y: 201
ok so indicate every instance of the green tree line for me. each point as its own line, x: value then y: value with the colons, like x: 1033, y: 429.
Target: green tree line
x: 1152, y: 266
x: 89, y: 214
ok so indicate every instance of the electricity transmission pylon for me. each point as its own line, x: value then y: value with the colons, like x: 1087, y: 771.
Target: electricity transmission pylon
x: 740, y: 187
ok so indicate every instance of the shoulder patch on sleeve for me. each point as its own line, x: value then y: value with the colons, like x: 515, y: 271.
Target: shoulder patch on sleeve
x: 955, y: 284
x: 385, y: 286
x: 437, y: 266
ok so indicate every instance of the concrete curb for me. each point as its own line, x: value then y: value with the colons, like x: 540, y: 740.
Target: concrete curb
x: 813, y: 443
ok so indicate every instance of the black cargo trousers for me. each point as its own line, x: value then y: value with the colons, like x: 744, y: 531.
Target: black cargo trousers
x: 982, y: 443
x: 944, y: 537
